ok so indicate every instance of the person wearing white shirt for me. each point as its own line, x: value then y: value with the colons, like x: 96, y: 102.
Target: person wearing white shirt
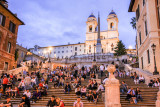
x: 27, y: 93
x: 102, y: 69
x: 141, y: 79
x: 100, y: 88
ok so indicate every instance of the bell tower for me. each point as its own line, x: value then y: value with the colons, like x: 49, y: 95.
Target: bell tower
x: 4, y: 2
x: 91, y: 24
x: 112, y: 21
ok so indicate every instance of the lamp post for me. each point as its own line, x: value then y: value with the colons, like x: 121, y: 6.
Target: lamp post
x: 94, y: 53
x: 155, y: 67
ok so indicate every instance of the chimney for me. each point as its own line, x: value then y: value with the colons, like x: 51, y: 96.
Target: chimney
x: 4, y: 2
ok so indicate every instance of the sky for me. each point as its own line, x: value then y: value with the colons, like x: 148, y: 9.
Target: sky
x: 59, y: 22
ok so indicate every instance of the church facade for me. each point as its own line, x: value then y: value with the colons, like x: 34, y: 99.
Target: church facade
x: 107, y: 40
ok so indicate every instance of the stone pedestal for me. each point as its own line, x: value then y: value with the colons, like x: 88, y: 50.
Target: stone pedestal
x: 158, y: 99
x: 112, y: 90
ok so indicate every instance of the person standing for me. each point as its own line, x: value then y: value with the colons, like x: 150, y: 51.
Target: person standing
x: 102, y: 69
x: 5, y: 82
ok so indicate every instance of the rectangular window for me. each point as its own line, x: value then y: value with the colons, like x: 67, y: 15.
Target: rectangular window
x: 62, y: 51
x: 2, y: 19
x: 6, y: 66
x: 75, y: 48
x: 9, y: 47
x: 143, y: 2
x: 12, y: 27
x: 137, y: 13
x: 142, y: 62
x: 140, y: 41
x: 146, y: 30
x: 58, y: 51
x: 75, y: 53
x: 22, y: 55
x: 148, y: 56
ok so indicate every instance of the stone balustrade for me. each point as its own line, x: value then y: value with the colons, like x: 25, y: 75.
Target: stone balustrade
x: 17, y: 70
x: 146, y: 74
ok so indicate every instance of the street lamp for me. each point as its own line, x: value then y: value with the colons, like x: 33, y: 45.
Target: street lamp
x: 155, y: 67
x: 94, y: 53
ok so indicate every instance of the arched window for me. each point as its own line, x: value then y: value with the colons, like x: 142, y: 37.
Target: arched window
x: 111, y: 25
x: 90, y: 28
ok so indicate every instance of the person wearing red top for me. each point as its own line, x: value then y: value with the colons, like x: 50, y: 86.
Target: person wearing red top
x: 59, y: 102
x: 40, y: 85
x: 5, y: 82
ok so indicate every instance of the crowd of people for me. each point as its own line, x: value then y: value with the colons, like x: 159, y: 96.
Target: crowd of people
x: 33, y: 85
x: 133, y: 96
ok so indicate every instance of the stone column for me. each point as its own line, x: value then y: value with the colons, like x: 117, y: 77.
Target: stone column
x: 112, y: 90
x: 158, y: 99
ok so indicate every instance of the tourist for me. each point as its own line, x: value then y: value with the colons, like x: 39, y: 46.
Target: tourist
x: 61, y: 82
x: 36, y: 95
x: 33, y: 81
x: 100, y: 88
x: 4, y: 83
x: 83, y: 91
x: 138, y: 94
x: 78, y: 103
x: 102, y: 69
x: 9, y: 92
x: 124, y: 87
x: 15, y: 92
x: 130, y: 93
x: 150, y: 84
x: 27, y: 93
x: 136, y: 79
x: 78, y: 91
x: 7, y: 103
x: 90, y: 96
x: 141, y: 79
x: 21, y: 85
x: 94, y: 86
x: 95, y: 97
x: 24, y: 102
x: 67, y: 88
x: 52, y: 102
x: 59, y: 102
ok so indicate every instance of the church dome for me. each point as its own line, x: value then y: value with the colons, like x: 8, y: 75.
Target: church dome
x: 92, y: 15
x: 112, y: 13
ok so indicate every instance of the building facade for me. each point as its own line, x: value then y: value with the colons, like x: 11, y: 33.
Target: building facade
x: 9, y: 24
x: 148, y: 32
x: 22, y: 52
x: 108, y: 40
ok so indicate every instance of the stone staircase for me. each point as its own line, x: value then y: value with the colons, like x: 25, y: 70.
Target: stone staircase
x: 68, y: 99
x: 149, y: 94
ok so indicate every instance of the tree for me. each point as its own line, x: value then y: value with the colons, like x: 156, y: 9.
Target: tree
x: 133, y: 22
x: 120, y: 49
x: 16, y: 55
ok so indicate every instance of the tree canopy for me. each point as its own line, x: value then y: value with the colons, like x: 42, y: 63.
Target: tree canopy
x: 120, y: 49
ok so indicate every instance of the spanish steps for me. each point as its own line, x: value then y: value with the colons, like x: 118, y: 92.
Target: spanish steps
x: 149, y: 95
